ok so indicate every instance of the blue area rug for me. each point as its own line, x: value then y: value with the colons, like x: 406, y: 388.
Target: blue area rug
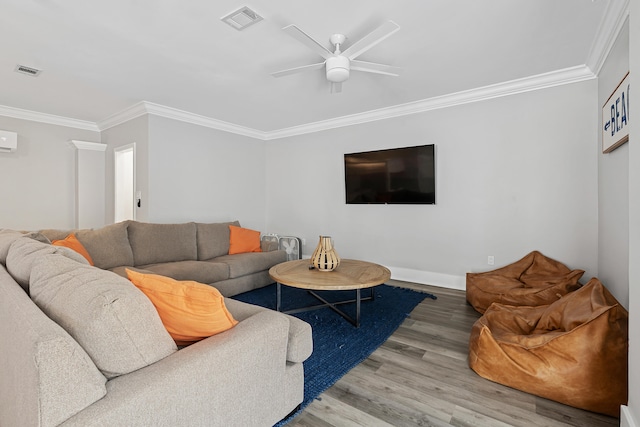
x: 338, y: 346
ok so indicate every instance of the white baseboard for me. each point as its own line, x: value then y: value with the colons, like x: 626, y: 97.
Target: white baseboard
x: 428, y: 278
x: 626, y: 419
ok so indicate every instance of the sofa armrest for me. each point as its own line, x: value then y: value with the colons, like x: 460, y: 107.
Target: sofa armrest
x: 300, y: 343
x: 45, y: 376
x: 237, y: 377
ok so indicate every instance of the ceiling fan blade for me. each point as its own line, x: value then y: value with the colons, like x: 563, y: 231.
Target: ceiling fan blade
x: 298, y: 69
x: 372, y: 67
x: 336, y: 87
x: 371, y: 39
x: 306, y: 40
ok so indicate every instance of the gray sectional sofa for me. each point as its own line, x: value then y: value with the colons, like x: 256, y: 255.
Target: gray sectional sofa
x: 188, y: 251
x: 83, y: 346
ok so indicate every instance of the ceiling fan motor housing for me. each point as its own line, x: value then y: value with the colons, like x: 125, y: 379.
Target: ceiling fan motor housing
x: 337, y: 68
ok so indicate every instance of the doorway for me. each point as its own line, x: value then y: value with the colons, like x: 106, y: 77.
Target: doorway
x: 125, y: 182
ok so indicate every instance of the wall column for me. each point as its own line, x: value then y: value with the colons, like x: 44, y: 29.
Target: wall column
x: 90, y: 184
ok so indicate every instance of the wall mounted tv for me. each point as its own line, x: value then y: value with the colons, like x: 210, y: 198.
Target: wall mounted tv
x: 395, y: 176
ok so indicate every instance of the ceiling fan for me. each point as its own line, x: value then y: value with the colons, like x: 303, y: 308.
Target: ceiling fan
x: 338, y: 64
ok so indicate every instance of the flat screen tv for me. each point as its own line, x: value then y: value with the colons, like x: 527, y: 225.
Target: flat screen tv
x: 395, y: 176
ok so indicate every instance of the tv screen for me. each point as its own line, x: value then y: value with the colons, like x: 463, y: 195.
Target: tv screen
x: 395, y: 176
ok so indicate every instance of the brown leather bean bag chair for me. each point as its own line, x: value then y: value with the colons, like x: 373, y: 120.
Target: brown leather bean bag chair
x: 573, y: 351
x: 532, y: 281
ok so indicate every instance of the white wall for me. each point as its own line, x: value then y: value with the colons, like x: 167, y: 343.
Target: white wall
x: 202, y: 174
x: 514, y: 174
x: 37, y: 187
x: 90, y: 200
x: 135, y: 130
x: 613, y: 184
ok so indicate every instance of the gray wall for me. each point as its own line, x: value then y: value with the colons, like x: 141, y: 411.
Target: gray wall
x: 613, y: 184
x: 514, y: 174
x: 634, y: 222
x: 134, y: 131
x: 38, y: 180
x: 202, y: 174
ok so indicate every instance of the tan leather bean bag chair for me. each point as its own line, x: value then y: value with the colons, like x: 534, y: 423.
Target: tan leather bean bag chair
x: 532, y: 281
x: 573, y: 351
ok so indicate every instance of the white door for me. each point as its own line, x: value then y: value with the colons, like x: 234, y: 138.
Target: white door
x: 125, y: 182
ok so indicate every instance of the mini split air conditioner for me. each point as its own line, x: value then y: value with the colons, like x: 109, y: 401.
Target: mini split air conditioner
x: 8, y: 141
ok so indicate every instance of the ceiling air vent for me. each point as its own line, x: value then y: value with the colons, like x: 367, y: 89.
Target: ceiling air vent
x: 23, y: 69
x: 242, y: 18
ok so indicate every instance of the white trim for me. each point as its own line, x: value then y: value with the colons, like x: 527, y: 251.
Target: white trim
x: 428, y: 278
x: 626, y: 419
x: 540, y: 81
x: 116, y: 150
x: 610, y: 26
x: 145, y: 107
x: 85, y: 145
x: 51, y: 119
x: 130, y: 113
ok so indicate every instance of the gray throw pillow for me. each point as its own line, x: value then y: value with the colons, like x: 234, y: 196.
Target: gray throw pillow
x: 7, y: 237
x: 24, y: 251
x: 115, y: 323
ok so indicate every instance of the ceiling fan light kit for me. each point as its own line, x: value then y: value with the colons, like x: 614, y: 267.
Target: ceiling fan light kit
x: 338, y: 64
x: 337, y: 69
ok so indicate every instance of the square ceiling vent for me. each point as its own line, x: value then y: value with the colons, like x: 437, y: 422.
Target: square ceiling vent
x: 242, y: 18
x: 29, y: 71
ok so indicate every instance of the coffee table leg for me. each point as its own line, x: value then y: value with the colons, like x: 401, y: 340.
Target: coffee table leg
x: 357, y: 308
x: 278, y: 295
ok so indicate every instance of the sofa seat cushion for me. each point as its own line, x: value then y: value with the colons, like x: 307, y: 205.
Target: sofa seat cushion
x: 108, y: 316
x: 573, y: 351
x: 199, y: 271
x: 24, y: 252
x: 156, y: 243
x: 213, y: 239
x: 249, y: 263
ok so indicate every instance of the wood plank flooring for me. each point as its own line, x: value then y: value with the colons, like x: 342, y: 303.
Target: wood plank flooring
x: 420, y: 377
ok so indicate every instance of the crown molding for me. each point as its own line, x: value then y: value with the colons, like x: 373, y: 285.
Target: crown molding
x: 610, y: 26
x: 144, y: 107
x: 91, y: 146
x: 34, y: 116
x: 541, y: 81
x: 129, y: 113
x: 196, y: 119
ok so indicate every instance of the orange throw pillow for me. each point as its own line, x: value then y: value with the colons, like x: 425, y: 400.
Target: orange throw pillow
x: 190, y: 311
x: 72, y: 242
x: 243, y: 240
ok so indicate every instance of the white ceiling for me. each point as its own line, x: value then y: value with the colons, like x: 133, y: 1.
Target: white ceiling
x: 100, y: 58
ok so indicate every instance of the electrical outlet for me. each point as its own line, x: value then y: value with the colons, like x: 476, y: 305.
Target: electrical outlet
x: 490, y: 260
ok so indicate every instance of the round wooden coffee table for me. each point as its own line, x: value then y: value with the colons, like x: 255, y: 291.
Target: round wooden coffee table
x: 350, y: 275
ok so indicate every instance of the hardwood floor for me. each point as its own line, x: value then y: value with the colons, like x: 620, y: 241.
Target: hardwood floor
x: 420, y: 377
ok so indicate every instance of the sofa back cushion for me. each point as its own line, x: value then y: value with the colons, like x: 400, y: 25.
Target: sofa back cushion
x: 7, y: 237
x: 45, y: 376
x: 108, y: 316
x: 23, y: 253
x: 108, y: 246
x: 213, y: 239
x: 155, y: 243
